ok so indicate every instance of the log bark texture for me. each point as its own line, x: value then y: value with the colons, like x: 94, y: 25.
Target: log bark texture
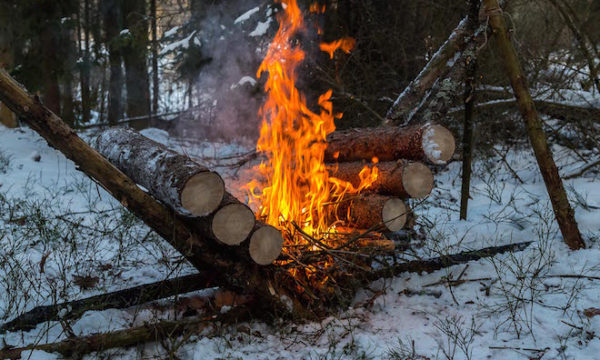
x: 432, y: 143
x: 397, y: 178
x: 563, y: 212
x: 230, y: 266
x: 115, y: 300
x: 440, y: 64
x: 79, y: 346
x: 184, y: 185
x: 372, y: 211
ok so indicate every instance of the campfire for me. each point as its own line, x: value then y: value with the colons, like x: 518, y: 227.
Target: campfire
x: 298, y: 194
x: 296, y: 190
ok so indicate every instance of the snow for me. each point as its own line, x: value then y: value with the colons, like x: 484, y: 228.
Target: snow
x: 181, y: 44
x: 500, y: 309
x: 262, y: 28
x: 171, y: 31
x: 245, y: 16
x: 244, y: 80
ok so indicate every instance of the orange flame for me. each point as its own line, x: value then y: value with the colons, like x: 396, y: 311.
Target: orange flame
x: 298, y: 189
x: 345, y: 44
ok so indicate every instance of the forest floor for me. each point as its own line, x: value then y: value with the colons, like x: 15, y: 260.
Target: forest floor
x: 62, y: 237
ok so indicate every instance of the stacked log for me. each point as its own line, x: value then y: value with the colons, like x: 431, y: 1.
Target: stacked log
x: 191, y: 190
x: 397, y: 153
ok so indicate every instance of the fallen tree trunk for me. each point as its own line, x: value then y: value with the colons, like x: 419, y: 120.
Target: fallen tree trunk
x: 431, y: 265
x: 433, y: 143
x: 440, y: 64
x: 403, y: 179
x: 115, y: 300
x: 231, y: 266
x: 184, y: 185
x: 372, y: 211
x: 79, y: 346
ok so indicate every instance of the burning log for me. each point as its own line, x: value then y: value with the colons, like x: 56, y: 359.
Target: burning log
x: 184, y: 185
x: 403, y: 179
x: 370, y: 211
x: 433, y: 143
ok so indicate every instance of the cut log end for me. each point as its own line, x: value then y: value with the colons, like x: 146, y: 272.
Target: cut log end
x: 233, y: 223
x: 438, y: 144
x: 265, y: 245
x: 394, y: 214
x: 202, y: 193
x: 417, y: 180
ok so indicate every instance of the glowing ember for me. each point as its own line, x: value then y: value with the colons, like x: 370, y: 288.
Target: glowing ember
x: 297, y: 191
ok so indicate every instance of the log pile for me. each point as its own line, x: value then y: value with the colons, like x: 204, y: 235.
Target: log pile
x: 191, y: 190
x: 398, y: 154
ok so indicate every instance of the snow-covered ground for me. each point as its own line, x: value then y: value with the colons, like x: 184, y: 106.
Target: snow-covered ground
x: 57, y: 227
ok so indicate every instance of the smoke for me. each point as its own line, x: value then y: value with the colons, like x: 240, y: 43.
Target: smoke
x: 226, y: 96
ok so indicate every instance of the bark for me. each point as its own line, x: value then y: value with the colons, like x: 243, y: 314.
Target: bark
x: 372, y: 211
x: 562, y: 209
x: 470, y: 65
x: 86, y: 65
x: 115, y: 300
x: 401, y: 178
x: 176, y: 180
x: 135, y: 56
x: 155, y: 79
x: 79, y: 346
x: 439, y: 64
x: 231, y: 266
x: 433, y: 143
x: 431, y: 265
x: 548, y: 107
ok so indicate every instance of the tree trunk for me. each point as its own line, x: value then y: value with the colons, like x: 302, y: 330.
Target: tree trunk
x: 113, y: 22
x: 470, y: 65
x: 86, y: 65
x: 562, y: 209
x: 430, y: 142
x: 401, y: 178
x: 176, y: 180
x: 134, y: 55
x: 374, y: 212
x: 155, y: 79
x: 230, y: 266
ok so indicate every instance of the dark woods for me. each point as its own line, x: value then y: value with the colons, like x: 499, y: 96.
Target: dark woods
x: 102, y: 61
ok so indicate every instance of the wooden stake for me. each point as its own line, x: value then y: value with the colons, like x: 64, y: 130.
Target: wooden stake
x: 560, y: 203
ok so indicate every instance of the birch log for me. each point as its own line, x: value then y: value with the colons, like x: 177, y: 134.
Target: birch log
x: 433, y: 143
x: 176, y: 180
x: 231, y: 267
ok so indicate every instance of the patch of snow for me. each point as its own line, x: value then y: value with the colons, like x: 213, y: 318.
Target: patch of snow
x: 244, y: 80
x: 245, y: 16
x: 261, y: 28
